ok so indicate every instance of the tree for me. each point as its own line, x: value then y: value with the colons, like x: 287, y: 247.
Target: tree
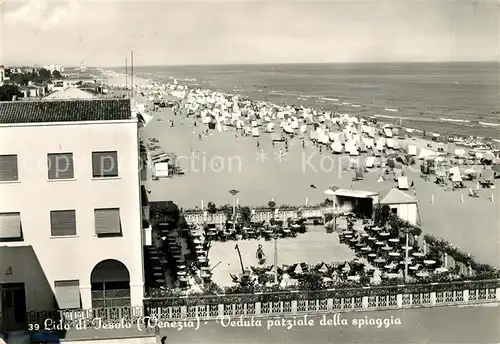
x: 7, y: 92
x: 211, y: 208
x: 56, y: 74
x: 44, y: 75
x: 246, y: 214
x: 271, y: 205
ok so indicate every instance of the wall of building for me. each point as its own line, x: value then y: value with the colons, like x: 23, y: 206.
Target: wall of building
x: 34, y: 196
x: 407, y: 212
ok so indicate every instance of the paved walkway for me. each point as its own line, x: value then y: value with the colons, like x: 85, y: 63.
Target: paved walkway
x: 426, y: 325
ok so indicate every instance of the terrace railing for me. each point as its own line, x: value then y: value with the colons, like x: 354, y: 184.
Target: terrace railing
x: 283, y: 303
x: 324, y: 301
x: 258, y: 214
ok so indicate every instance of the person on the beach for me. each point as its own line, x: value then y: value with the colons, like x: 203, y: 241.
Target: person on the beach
x: 260, y: 255
x: 303, y: 143
x: 258, y: 144
x: 199, y: 136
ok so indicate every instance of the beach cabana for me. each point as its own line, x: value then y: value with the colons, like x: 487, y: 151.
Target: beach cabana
x: 412, y: 150
x: 403, y: 183
x: 389, y: 143
x: 270, y: 127
x: 337, y: 147
x: 255, y: 132
x: 370, y: 162
x: 388, y: 132
x: 401, y: 203
x: 426, y: 153
x: 353, y: 150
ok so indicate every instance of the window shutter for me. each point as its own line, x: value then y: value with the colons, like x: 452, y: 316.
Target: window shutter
x: 60, y: 166
x: 63, y: 222
x: 105, y: 164
x: 10, y: 225
x: 8, y: 168
x: 107, y: 221
x: 67, y: 294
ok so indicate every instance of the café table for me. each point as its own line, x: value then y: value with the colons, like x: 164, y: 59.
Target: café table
x: 413, y: 267
x: 197, y: 241
x: 422, y: 274
x: 429, y: 262
x: 379, y: 260
x: 360, y: 245
x: 392, y: 275
x: 441, y: 270
x: 160, y: 281
x: 182, y: 267
x: 372, y: 238
x: 181, y: 273
x: 418, y: 254
x: 394, y: 254
x: 379, y: 243
x: 157, y: 274
x: 353, y: 278
x: 155, y: 258
x: 390, y: 266
x: 372, y: 255
x: 205, y: 275
x: 384, y: 234
x: 394, y: 240
x: 158, y: 268
x: 348, y: 236
x: 376, y: 229
x: 202, y: 259
x: 407, y: 248
x: 364, y: 235
x: 365, y: 249
x: 353, y: 240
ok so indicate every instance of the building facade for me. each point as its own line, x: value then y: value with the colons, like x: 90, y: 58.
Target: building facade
x: 401, y: 204
x: 70, y: 207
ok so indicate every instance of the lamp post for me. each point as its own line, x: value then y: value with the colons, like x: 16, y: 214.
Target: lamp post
x: 275, y: 256
x: 406, y: 230
x: 234, y: 192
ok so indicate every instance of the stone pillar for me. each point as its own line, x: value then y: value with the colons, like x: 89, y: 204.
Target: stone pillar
x: 294, y: 306
x: 364, y: 302
x: 329, y: 304
x: 137, y: 294
x: 86, y: 295
x: 221, y: 310
x: 498, y: 293
x: 466, y: 295
x: 257, y: 308
x: 399, y: 300
x: 433, y: 298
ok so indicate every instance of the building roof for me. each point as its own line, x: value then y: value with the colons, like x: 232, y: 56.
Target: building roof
x: 70, y: 93
x: 395, y: 196
x: 354, y: 193
x: 47, y: 111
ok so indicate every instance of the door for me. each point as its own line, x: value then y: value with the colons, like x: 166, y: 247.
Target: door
x: 13, y: 306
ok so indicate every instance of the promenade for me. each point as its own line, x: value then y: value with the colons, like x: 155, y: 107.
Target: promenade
x: 426, y: 325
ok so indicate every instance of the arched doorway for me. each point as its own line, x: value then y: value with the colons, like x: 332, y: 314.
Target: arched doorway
x: 110, y: 281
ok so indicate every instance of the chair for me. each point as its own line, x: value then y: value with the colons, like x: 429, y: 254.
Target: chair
x: 473, y: 193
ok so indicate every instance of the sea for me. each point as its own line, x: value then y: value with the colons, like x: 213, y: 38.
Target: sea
x: 456, y: 98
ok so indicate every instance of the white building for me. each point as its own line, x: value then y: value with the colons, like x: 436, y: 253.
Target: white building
x: 70, y: 207
x: 401, y: 203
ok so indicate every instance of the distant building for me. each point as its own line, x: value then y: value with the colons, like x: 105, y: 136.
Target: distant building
x: 401, y: 203
x: 53, y: 68
x: 33, y: 91
x: 74, y: 81
x: 70, y: 93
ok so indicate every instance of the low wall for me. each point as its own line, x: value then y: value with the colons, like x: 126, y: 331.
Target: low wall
x: 294, y: 303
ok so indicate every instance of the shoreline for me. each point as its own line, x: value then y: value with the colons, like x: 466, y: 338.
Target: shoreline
x: 413, y: 131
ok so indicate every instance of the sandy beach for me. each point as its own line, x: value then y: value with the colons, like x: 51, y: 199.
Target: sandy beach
x: 471, y: 225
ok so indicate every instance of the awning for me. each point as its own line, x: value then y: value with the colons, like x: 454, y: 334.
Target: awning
x: 354, y: 193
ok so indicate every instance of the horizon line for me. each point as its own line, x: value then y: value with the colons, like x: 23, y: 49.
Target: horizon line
x: 255, y: 64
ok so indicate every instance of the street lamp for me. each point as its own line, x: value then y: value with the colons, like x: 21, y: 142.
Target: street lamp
x: 406, y: 231
x: 234, y: 192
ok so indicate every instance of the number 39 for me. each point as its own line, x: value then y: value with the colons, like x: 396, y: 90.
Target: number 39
x: 33, y: 327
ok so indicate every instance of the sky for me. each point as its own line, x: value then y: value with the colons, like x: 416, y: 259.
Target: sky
x: 162, y: 32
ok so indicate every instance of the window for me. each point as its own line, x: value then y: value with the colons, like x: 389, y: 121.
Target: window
x: 62, y: 223
x: 67, y: 294
x: 60, y: 165
x: 107, y: 222
x: 104, y: 164
x: 10, y: 227
x: 394, y: 210
x: 8, y: 168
